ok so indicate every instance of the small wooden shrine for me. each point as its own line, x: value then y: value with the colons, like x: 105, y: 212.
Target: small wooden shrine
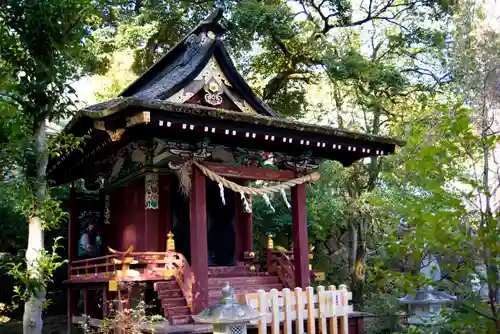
x: 160, y: 202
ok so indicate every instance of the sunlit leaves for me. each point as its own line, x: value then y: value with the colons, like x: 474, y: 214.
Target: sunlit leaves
x: 439, y: 202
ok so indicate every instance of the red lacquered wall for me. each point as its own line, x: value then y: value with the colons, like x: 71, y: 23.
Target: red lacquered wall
x: 132, y: 224
x: 127, y: 217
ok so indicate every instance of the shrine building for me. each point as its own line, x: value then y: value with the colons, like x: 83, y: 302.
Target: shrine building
x: 160, y: 205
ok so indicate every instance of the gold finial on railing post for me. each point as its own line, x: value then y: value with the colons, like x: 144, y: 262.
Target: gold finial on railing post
x: 270, y: 243
x: 170, y: 242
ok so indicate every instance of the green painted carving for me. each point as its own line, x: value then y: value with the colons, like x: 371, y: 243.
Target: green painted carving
x: 152, y: 196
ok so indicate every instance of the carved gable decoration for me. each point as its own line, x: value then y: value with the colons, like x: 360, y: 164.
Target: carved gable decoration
x: 199, y: 64
x: 215, y: 88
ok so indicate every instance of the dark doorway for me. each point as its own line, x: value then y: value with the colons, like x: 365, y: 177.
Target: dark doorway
x: 220, y: 225
x: 180, y: 219
x: 221, y: 220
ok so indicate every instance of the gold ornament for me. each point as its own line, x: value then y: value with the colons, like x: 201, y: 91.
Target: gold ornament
x: 270, y: 243
x: 170, y: 242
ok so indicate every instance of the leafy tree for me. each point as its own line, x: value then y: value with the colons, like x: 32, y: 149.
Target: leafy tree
x: 43, y: 46
x: 439, y: 200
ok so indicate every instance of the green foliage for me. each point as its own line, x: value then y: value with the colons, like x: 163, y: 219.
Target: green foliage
x: 437, y: 200
x: 64, y: 143
x: 132, y: 320
x: 46, y: 264
x: 43, y: 45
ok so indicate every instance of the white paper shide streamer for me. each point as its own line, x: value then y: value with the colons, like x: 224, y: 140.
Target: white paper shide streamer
x: 268, y: 202
x: 221, y: 191
x: 283, y: 194
x: 246, y: 205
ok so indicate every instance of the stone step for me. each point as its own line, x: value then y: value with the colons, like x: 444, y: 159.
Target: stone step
x: 249, y: 274
x: 243, y: 281
x: 253, y: 287
x: 216, y: 292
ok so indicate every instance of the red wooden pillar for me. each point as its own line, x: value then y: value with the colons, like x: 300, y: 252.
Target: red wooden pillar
x: 246, y: 228
x: 198, y: 241
x: 105, y: 302
x: 300, y: 241
x: 72, y: 228
x: 70, y: 303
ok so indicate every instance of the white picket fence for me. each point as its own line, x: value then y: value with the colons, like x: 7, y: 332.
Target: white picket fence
x: 329, y: 306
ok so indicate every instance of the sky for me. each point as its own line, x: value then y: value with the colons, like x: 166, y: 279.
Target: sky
x: 492, y: 11
x: 87, y: 87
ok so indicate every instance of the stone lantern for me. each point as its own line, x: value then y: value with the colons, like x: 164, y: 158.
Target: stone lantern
x: 228, y: 316
x: 427, y: 304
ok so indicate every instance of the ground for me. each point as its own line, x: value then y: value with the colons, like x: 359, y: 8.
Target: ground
x: 52, y: 325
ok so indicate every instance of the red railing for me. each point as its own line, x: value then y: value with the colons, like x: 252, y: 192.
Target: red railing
x: 178, y: 267
x: 96, y: 268
x: 185, y: 279
x: 135, y: 266
x: 285, y: 270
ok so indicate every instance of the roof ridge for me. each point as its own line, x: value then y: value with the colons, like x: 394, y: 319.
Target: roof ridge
x: 212, y: 21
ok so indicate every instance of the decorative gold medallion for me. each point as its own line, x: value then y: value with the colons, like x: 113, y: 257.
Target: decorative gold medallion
x: 213, y: 94
x: 113, y: 285
x: 116, y: 134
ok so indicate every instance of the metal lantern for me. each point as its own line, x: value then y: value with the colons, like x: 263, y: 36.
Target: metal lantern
x: 228, y: 316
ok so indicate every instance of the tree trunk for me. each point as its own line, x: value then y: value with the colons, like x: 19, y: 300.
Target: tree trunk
x: 32, y: 319
x: 357, y: 230
x: 488, y: 223
x: 357, y: 252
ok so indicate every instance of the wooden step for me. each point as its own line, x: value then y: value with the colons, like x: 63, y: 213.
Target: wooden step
x: 180, y: 320
x: 232, y: 271
x: 173, y: 302
x: 176, y: 311
x: 166, y: 285
x: 170, y: 294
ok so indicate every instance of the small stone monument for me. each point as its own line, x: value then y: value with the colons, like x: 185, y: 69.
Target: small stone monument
x: 426, y: 305
x: 228, y: 316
